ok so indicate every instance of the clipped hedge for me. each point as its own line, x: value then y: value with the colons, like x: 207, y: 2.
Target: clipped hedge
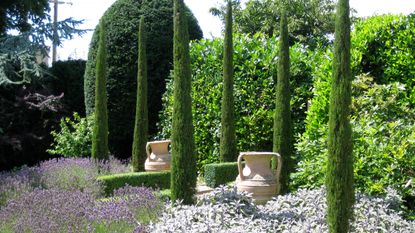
x: 122, y: 29
x: 220, y: 173
x: 160, y: 180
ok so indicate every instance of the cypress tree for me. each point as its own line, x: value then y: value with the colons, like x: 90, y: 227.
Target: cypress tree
x: 227, y: 137
x: 100, y: 131
x: 282, y: 140
x: 141, y: 115
x: 339, y: 177
x: 183, y: 172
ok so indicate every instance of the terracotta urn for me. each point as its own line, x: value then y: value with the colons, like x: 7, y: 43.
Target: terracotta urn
x: 257, y: 177
x: 158, y: 156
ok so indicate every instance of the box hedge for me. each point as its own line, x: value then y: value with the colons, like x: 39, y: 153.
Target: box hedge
x: 220, y: 173
x: 160, y: 180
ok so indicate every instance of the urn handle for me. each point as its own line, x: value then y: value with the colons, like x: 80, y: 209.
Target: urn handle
x: 240, y: 157
x: 279, y: 165
x: 148, y: 151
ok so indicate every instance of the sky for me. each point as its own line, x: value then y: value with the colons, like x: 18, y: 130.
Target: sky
x: 92, y: 10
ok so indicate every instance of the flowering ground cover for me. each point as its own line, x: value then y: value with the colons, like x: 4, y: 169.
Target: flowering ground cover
x: 64, y: 196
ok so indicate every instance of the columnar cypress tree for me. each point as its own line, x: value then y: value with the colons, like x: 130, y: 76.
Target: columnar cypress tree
x: 282, y: 141
x: 141, y: 115
x: 227, y: 137
x: 183, y: 173
x: 100, y: 131
x: 339, y: 177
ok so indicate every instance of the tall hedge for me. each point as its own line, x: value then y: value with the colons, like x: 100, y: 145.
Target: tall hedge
x: 183, y: 171
x: 339, y: 178
x: 282, y: 140
x: 141, y: 112
x: 68, y: 78
x: 254, y: 93
x: 228, y: 151
x: 100, y: 130
x: 123, y: 21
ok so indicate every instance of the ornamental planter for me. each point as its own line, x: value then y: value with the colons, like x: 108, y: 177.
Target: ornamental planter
x: 257, y: 177
x: 158, y: 156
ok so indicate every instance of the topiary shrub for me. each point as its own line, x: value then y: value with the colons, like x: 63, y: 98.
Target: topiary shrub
x: 339, y: 172
x: 220, y: 173
x: 254, y: 59
x: 227, y: 145
x: 100, y: 129
x: 122, y: 26
x: 113, y: 182
x: 139, y: 155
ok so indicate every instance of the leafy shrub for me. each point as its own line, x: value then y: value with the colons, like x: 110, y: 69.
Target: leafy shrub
x: 225, y: 210
x: 386, y: 44
x: 220, y: 173
x: 381, y: 46
x: 123, y: 20
x: 74, y: 138
x: 159, y: 180
x: 383, y: 134
x: 255, y: 70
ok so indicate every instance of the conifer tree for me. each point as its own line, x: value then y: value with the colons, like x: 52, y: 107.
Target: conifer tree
x: 141, y: 115
x: 282, y: 141
x: 100, y: 130
x: 227, y: 137
x: 339, y: 177
x: 183, y: 172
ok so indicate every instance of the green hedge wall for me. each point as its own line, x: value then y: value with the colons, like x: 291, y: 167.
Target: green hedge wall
x: 220, y: 173
x: 122, y: 26
x: 160, y: 180
x: 254, y: 93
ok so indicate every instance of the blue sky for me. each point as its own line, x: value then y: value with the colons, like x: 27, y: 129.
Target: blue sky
x: 92, y: 10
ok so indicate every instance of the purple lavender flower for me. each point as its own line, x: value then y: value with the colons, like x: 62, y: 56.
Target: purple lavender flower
x: 53, y: 210
x: 14, y: 184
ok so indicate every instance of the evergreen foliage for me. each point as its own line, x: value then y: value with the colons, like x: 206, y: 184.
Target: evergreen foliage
x: 184, y: 174
x: 123, y: 21
x: 100, y: 132
x: 68, y: 78
x: 228, y: 151
x: 254, y: 91
x: 141, y: 115
x: 282, y: 140
x: 339, y: 178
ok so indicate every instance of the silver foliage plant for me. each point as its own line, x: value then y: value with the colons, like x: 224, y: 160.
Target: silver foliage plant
x: 225, y: 210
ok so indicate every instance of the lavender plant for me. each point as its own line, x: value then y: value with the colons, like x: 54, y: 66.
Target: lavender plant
x: 65, y: 174
x: 224, y: 210
x: 13, y: 184
x: 77, y: 174
x: 53, y: 210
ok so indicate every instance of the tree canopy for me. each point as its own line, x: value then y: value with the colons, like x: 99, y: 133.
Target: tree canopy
x: 309, y: 21
x: 17, y: 14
